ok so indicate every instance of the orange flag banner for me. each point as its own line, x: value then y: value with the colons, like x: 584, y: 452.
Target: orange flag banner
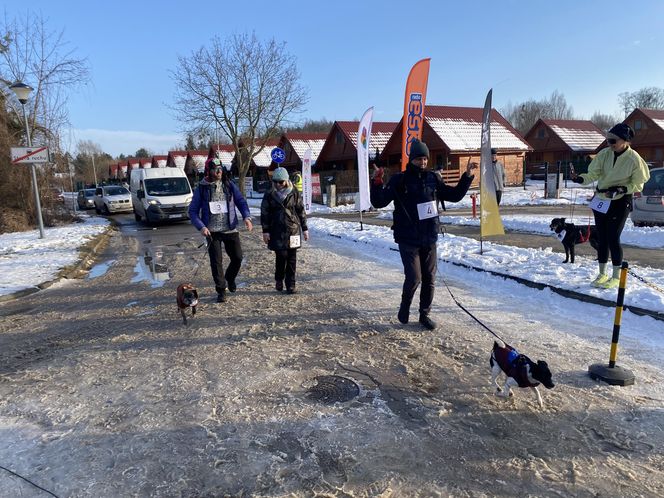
x: 413, y: 107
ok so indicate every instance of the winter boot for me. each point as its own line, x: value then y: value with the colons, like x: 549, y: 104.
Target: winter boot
x: 599, y: 280
x: 404, y: 311
x: 279, y: 285
x: 427, y: 322
x: 221, y: 296
x: 232, y: 286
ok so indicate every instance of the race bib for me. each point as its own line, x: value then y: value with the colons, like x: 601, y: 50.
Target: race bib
x: 294, y: 242
x: 218, y: 207
x: 600, y: 205
x: 561, y: 235
x: 427, y: 210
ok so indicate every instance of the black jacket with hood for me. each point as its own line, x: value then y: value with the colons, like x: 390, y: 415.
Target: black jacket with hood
x: 407, y: 190
x: 281, y: 219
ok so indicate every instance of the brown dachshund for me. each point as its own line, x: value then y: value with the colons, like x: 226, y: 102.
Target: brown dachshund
x: 187, y: 297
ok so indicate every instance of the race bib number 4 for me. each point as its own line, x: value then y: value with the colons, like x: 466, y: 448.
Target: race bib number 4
x: 218, y: 207
x: 427, y: 210
x: 294, y: 242
x: 600, y: 205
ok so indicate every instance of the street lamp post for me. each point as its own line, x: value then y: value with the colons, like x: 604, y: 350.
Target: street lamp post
x: 22, y: 92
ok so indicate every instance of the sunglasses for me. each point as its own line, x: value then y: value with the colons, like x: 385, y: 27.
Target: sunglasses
x: 611, y: 141
x: 278, y: 182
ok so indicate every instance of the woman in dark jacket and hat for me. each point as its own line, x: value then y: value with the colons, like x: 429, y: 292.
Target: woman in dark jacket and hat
x: 415, y: 193
x: 283, y: 220
x: 212, y: 212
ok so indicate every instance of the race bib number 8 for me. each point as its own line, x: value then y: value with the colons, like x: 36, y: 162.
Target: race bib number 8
x: 600, y: 205
x: 427, y: 210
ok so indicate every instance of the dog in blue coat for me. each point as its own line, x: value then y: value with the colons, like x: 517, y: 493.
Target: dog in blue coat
x: 520, y: 371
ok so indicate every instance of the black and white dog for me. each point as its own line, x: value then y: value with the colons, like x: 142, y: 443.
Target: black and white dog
x: 570, y: 235
x: 520, y: 370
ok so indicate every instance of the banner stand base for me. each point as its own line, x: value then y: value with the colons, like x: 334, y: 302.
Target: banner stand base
x: 616, y: 376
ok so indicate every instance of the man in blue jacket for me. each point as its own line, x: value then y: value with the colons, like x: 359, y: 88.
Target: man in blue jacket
x: 415, y: 193
x: 212, y: 212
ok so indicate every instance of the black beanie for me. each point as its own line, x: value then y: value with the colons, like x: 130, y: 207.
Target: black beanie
x: 418, y: 149
x: 622, y: 131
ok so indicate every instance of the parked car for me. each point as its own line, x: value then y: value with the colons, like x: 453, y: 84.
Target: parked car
x: 86, y: 198
x: 649, y: 204
x: 112, y: 199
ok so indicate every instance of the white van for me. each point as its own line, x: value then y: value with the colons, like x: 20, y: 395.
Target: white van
x: 160, y: 194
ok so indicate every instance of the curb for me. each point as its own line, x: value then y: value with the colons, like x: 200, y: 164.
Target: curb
x: 88, y: 253
x: 565, y: 292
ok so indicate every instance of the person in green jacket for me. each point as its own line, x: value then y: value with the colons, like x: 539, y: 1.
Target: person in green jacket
x: 619, y: 171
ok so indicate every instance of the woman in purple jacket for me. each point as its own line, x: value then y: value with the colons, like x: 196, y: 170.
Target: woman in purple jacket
x: 212, y: 212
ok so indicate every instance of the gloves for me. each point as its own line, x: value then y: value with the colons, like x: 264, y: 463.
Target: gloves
x: 377, y: 176
x: 611, y: 192
x: 577, y: 179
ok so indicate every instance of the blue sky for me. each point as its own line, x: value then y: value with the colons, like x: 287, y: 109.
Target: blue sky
x: 357, y: 54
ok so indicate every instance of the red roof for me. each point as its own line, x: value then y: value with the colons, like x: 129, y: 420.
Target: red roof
x: 306, y: 136
x: 224, y: 147
x: 376, y: 126
x: 574, y: 124
x: 653, y: 113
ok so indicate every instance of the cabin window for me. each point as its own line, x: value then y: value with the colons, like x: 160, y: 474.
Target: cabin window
x: 541, y: 133
x: 659, y: 154
x: 339, y: 138
x: 638, y: 124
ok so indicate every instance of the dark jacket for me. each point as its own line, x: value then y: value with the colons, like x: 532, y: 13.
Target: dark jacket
x: 282, y: 219
x: 199, y: 209
x: 407, y: 190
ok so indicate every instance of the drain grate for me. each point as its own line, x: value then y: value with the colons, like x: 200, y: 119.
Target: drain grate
x: 333, y: 388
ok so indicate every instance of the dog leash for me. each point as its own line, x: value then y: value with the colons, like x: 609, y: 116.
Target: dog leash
x: 456, y: 301
x: 205, y: 243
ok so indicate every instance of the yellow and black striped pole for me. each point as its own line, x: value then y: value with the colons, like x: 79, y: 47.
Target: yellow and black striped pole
x: 614, y: 374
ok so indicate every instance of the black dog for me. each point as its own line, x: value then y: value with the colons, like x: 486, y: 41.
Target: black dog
x: 571, y: 235
x: 520, y: 371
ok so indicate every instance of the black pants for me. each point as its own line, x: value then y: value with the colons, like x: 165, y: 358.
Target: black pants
x: 609, y: 227
x: 285, y: 266
x: 499, y: 196
x: 419, y: 266
x: 231, y: 242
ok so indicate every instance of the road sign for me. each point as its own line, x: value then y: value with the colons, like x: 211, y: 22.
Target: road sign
x: 278, y: 155
x: 22, y: 155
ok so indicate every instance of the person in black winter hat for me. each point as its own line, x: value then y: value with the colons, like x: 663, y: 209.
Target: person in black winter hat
x: 415, y: 193
x: 619, y: 172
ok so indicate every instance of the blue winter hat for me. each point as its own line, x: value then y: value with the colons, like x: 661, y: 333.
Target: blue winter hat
x: 280, y: 175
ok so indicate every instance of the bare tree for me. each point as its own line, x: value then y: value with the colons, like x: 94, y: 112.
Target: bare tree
x: 33, y: 54
x: 604, y: 121
x: 524, y: 115
x: 645, y: 98
x: 244, y: 87
x: 39, y: 57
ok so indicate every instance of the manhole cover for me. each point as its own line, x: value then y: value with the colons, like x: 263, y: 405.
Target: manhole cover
x: 332, y: 388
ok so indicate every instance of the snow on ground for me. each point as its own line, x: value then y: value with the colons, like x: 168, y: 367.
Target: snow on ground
x: 27, y: 261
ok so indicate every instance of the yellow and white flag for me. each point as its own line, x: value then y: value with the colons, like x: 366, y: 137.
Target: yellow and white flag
x: 490, y: 222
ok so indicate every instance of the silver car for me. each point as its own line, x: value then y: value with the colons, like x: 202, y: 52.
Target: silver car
x: 112, y: 199
x: 649, y: 204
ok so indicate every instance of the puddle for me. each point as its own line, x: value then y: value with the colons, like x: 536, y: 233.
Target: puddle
x: 151, y: 267
x: 100, y: 269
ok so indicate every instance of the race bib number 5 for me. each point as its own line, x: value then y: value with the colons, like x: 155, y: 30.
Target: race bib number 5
x: 600, y: 205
